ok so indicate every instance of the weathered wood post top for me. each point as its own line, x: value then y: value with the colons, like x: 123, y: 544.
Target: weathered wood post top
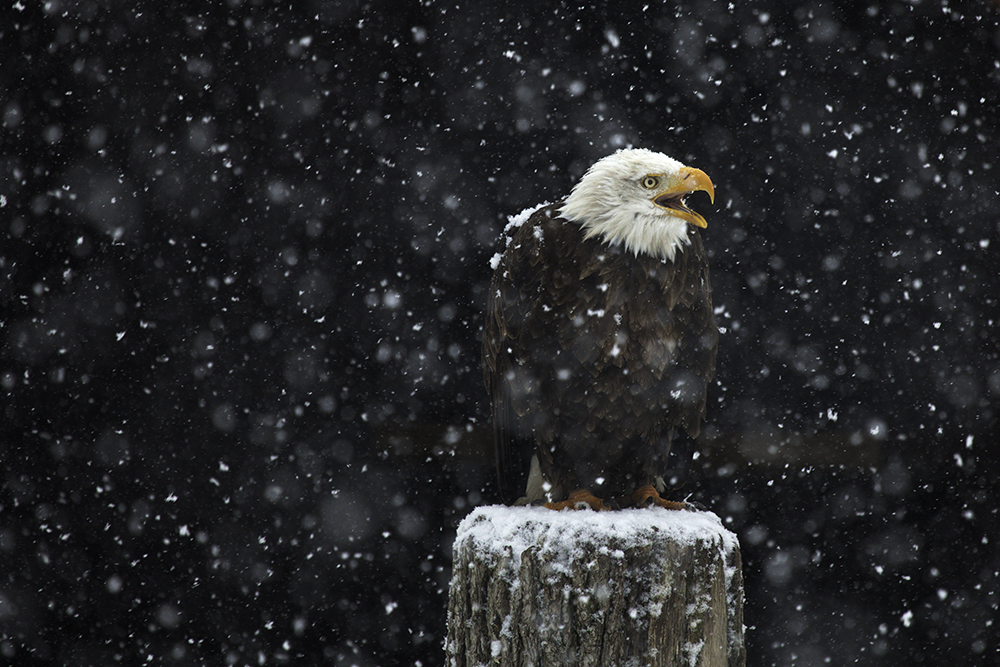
x: 533, y: 586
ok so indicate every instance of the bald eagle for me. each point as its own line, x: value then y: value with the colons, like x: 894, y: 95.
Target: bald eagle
x: 600, y: 338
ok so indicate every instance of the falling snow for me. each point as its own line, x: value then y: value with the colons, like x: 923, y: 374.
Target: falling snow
x: 244, y: 254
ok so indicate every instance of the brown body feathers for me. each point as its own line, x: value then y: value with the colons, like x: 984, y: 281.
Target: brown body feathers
x: 593, y: 356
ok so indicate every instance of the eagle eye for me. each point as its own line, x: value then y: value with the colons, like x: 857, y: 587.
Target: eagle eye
x: 650, y: 182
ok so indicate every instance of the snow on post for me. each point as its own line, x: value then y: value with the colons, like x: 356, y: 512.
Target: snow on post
x: 532, y: 586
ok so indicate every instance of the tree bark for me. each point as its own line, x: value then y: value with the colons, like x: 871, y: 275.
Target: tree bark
x: 536, y: 587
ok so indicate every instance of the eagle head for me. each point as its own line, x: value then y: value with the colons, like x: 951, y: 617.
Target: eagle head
x: 636, y: 197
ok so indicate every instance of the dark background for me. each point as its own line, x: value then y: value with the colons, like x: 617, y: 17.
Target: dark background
x: 242, y: 274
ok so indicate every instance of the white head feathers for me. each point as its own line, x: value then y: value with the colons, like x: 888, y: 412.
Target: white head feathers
x: 615, y: 199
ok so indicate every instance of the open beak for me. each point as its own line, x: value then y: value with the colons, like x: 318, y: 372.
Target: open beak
x: 689, y: 180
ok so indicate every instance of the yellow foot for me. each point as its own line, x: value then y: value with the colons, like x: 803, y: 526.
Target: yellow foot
x: 580, y: 499
x: 645, y: 496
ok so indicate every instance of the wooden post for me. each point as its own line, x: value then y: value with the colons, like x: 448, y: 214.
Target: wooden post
x: 536, y: 587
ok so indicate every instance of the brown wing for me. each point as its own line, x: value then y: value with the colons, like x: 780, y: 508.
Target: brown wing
x: 511, y: 318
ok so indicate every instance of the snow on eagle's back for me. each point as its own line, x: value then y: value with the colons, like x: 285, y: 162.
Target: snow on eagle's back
x: 513, y: 222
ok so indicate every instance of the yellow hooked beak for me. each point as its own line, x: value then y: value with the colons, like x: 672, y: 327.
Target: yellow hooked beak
x: 672, y: 199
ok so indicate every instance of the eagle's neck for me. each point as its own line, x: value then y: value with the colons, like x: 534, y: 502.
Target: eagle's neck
x: 658, y: 235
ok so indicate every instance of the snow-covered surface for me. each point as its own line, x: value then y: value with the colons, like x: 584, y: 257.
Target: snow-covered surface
x: 507, y: 530
x: 571, y: 543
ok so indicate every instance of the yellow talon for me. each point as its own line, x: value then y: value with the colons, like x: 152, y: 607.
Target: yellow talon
x: 578, y: 500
